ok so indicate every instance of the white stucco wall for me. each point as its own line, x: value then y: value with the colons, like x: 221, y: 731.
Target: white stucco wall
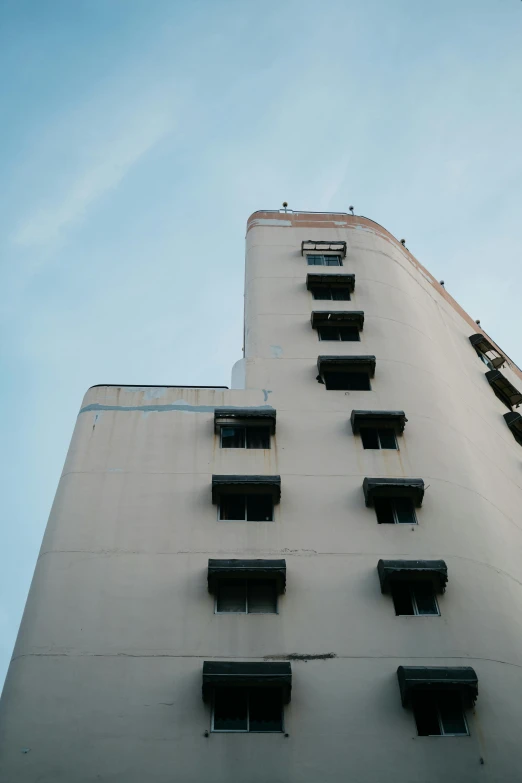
x: 105, y: 682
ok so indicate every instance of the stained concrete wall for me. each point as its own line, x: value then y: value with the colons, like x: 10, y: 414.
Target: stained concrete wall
x: 105, y: 682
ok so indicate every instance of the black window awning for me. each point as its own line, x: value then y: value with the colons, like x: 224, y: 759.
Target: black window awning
x: 264, y: 674
x: 393, y: 488
x: 338, y: 318
x: 435, y: 571
x: 504, y: 390
x: 482, y: 345
x: 323, y: 246
x: 254, y: 484
x: 514, y: 422
x: 394, y: 419
x: 241, y: 569
x: 346, y: 363
x: 436, y: 678
x: 265, y: 415
x: 331, y: 280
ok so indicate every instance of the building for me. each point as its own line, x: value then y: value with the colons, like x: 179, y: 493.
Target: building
x: 313, y: 576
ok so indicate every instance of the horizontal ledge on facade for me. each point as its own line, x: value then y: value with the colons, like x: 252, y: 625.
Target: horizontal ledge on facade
x: 376, y: 488
x: 434, y: 571
x: 324, y: 246
x: 246, y: 673
x: 351, y: 363
x: 338, y: 317
x: 253, y: 484
x: 514, y: 422
x: 246, y: 569
x: 263, y: 415
x: 412, y: 679
x: 394, y: 419
x: 334, y: 280
x: 483, y: 346
x: 504, y: 390
x: 152, y: 386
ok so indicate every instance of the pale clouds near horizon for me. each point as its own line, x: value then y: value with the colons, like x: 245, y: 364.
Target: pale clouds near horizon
x: 139, y: 137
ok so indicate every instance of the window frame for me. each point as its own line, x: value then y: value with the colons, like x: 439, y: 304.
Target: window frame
x: 467, y: 733
x: 245, y: 428
x: 245, y: 581
x: 378, y: 431
x: 245, y: 495
x: 338, y: 339
x: 410, y: 584
x: 247, y: 730
x: 330, y: 289
x: 394, y: 511
x: 324, y: 256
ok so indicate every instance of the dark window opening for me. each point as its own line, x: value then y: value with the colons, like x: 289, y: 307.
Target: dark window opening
x: 378, y: 438
x: 414, y: 598
x: 241, y: 437
x: 246, y: 596
x: 349, y: 381
x: 322, y: 260
x: 249, y: 507
x: 439, y: 714
x: 395, y: 511
x: 335, y: 293
x: 247, y: 709
x: 344, y: 333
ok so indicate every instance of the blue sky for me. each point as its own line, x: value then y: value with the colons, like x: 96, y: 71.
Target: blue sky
x: 138, y: 135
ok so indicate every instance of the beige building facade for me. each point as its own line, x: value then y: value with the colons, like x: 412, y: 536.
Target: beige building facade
x: 315, y: 575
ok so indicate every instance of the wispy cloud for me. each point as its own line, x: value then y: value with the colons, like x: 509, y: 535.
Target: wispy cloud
x: 109, y: 165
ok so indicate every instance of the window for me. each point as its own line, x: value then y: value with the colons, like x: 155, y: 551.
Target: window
x: 350, y: 373
x: 322, y: 260
x: 344, y: 333
x: 335, y: 293
x: 244, y: 437
x: 439, y: 714
x: 414, y: 598
x: 489, y: 353
x: 378, y: 438
x: 250, y: 507
x: 247, y: 709
x: 395, y: 511
x: 504, y: 390
x: 246, y: 596
x: 514, y: 422
x: 352, y: 381
x: 486, y: 361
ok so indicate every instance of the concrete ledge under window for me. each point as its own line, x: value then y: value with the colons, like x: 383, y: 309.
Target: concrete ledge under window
x: 434, y: 678
x: 434, y: 571
x: 375, y: 488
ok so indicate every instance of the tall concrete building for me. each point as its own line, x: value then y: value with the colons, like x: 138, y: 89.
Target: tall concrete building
x: 313, y: 576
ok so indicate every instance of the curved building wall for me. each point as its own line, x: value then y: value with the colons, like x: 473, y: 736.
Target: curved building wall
x: 105, y: 682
